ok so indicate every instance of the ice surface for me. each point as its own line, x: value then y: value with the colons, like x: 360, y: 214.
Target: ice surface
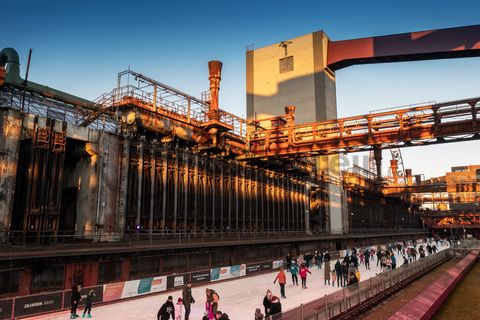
x: 238, y: 298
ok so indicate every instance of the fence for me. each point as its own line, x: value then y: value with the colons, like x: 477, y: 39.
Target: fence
x: 338, y: 302
x: 102, y: 238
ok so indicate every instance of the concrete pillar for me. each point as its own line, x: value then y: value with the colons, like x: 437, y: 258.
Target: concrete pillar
x: 10, y: 131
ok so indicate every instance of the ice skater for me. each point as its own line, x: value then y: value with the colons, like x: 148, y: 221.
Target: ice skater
x: 88, y: 304
x: 282, y: 280
x: 303, y: 274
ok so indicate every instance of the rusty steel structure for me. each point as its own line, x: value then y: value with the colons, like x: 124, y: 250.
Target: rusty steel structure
x: 437, y: 123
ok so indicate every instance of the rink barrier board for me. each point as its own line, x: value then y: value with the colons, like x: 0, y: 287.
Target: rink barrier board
x: 6, y: 308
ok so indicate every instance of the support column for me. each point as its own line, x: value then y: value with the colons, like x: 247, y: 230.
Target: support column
x: 122, y: 207
x: 10, y: 130
x: 140, y: 182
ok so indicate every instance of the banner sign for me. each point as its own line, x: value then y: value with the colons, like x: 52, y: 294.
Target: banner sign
x: 177, y: 281
x: 264, y: 266
x: 277, y: 264
x: 6, y: 309
x: 134, y: 288
x: 37, y: 304
x: 223, y: 273
x: 253, y: 268
x: 201, y: 276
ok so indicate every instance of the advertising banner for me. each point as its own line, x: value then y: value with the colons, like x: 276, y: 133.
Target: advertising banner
x: 6, y: 309
x: 201, y: 276
x: 223, y: 273
x: 177, y: 281
x: 112, y: 291
x: 253, y: 268
x: 37, y: 304
x: 277, y: 264
x: 264, y: 266
x: 83, y: 293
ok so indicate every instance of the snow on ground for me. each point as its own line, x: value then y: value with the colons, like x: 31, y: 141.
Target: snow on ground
x: 238, y: 298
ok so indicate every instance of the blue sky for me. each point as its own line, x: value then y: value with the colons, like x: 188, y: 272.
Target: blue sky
x: 80, y: 46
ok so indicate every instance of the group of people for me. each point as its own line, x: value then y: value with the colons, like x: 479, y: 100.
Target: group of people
x: 75, y: 300
x: 174, y: 311
x: 272, y: 306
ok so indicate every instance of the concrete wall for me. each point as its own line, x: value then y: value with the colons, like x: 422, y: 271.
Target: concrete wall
x: 310, y: 87
x: 10, y: 131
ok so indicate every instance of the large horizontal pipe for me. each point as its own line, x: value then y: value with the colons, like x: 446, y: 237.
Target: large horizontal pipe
x: 169, y: 127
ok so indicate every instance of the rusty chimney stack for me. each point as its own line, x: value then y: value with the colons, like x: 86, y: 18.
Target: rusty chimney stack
x: 215, y: 72
x: 290, y: 115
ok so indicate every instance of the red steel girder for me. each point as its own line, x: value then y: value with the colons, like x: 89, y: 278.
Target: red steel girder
x: 423, y: 45
x: 439, y: 123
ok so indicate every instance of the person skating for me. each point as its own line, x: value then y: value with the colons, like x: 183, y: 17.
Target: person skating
x: 179, y: 309
x: 187, y: 299
x: 294, y: 272
x: 326, y: 272
x: 74, y: 300
x: 212, y: 299
x: 167, y: 310
x: 282, y: 280
x: 288, y: 259
x: 276, y: 310
x: 338, y: 271
x: 326, y: 256
x: 333, y: 276
x: 88, y: 304
x: 367, y: 259
x: 303, y: 274
x: 258, y: 314
x: 267, y: 302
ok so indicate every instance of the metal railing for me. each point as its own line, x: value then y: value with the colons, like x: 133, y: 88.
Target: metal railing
x: 351, y: 296
x: 164, y: 238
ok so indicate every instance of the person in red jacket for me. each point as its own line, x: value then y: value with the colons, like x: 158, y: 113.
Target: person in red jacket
x: 303, y: 275
x: 282, y: 279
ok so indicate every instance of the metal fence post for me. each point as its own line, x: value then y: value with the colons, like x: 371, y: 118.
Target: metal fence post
x: 344, y: 299
x: 301, y: 310
x: 326, y: 305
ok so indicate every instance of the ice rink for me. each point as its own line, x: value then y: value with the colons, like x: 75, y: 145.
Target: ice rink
x: 238, y: 298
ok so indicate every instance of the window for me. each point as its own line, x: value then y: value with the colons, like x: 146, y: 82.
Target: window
x: 47, y: 278
x: 109, y: 271
x: 286, y: 64
x: 9, y: 281
x: 142, y: 267
x: 478, y: 174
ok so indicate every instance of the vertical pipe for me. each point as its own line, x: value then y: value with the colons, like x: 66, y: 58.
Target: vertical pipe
x: 196, y: 191
x: 222, y: 194
x: 176, y: 189
x: 237, y: 195
x: 215, y: 70
x: 214, y: 193
x: 205, y: 192
x: 267, y: 189
x: 164, y: 187
x: 26, y: 78
x: 153, y: 166
x: 230, y: 194
x: 244, y: 196
x: 186, y: 181
x: 140, y: 181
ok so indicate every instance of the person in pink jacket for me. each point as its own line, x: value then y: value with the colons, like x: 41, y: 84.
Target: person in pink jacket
x: 303, y: 274
x: 179, y: 309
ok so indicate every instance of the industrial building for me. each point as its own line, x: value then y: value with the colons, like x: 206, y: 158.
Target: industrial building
x: 148, y: 180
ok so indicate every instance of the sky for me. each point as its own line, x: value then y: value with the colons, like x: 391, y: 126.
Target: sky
x: 80, y: 46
